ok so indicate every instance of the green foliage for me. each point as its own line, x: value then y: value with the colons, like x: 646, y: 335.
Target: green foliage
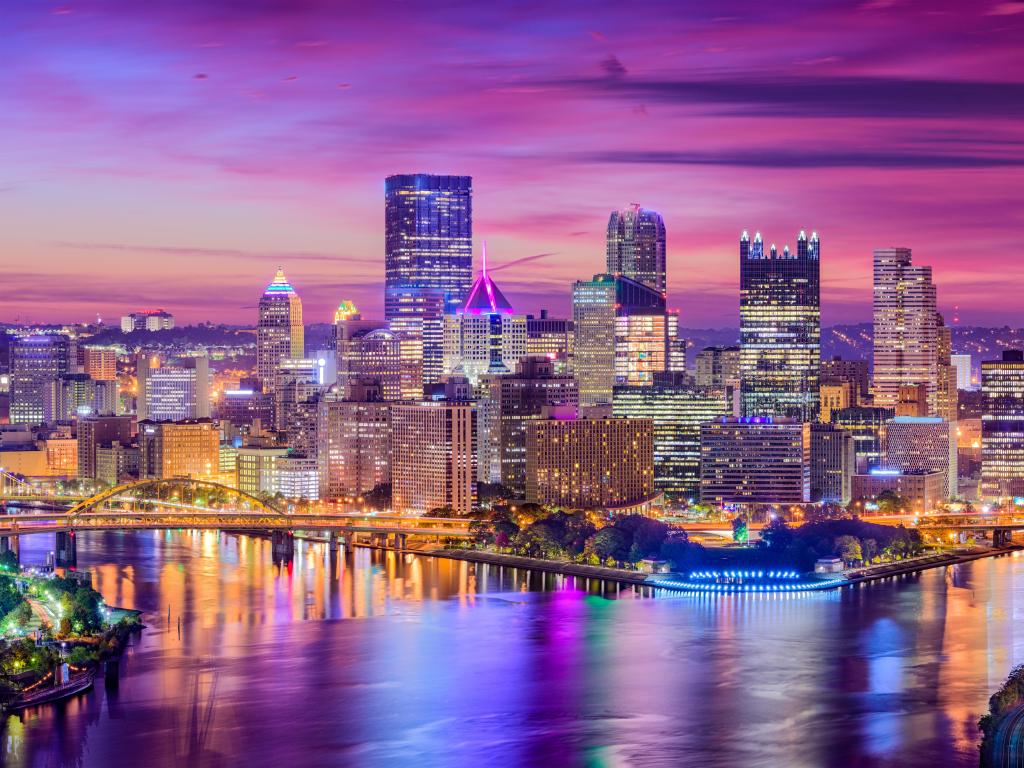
x: 889, y: 503
x: 80, y: 656
x: 9, y: 562
x: 10, y: 597
x: 740, y: 534
x: 849, y: 549
x: 1007, y: 699
x: 610, y: 543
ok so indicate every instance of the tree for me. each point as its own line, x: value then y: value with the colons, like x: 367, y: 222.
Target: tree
x: 870, y: 549
x: 610, y: 542
x: 739, y: 530
x: 848, y: 548
x: 442, y: 512
x: 777, y: 535
x: 646, y: 534
x: 890, y: 503
x: 9, y: 561
x: 542, y: 539
x: 675, y: 548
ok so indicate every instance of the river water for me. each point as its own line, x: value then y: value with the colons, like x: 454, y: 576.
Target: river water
x: 382, y: 659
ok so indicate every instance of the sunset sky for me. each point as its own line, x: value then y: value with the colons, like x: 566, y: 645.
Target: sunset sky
x: 173, y: 152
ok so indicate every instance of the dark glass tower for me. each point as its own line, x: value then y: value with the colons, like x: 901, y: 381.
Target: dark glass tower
x: 636, y: 246
x: 428, y: 256
x: 428, y: 240
x: 780, y: 329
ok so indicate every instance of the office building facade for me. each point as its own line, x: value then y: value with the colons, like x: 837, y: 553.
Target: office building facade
x: 780, y: 328
x: 635, y: 246
x: 279, y: 331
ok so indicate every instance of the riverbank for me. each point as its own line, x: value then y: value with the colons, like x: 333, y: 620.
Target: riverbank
x: 536, y: 564
x: 665, y: 581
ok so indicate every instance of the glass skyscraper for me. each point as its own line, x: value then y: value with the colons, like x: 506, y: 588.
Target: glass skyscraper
x: 636, y: 246
x: 280, y: 334
x: 428, y: 256
x: 780, y: 328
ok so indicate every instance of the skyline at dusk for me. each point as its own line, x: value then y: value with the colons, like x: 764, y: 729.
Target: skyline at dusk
x: 175, y: 153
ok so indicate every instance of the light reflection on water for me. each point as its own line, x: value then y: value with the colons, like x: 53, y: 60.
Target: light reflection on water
x: 374, y: 658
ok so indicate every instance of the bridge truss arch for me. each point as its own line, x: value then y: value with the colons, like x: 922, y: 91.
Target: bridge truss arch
x: 171, y: 490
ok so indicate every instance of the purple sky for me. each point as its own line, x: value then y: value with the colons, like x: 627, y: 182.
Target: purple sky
x: 173, y: 152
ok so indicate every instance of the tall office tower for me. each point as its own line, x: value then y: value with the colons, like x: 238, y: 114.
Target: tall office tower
x: 866, y: 425
x: 586, y: 459
x: 484, y: 336
x: 755, y: 460
x: 428, y: 255
x: 551, y: 337
x: 833, y: 463
x: 433, y: 456
x: 510, y: 402
x: 636, y: 246
x: 99, y: 363
x: 74, y: 395
x: 184, y: 448
x: 780, y: 328
x: 856, y: 373
x: 354, y: 440
x: 717, y: 367
x: 946, y: 394
x: 1002, y: 426
x: 279, y: 333
x: 922, y: 444
x: 906, y: 341
x: 246, y: 407
x: 95, y: 432
x: 677, y: 408
x: 611, y: 346
x: 35, y: 362
x: 173, y: 392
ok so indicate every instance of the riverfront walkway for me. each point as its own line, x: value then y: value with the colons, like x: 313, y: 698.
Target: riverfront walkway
x: 536, y: 564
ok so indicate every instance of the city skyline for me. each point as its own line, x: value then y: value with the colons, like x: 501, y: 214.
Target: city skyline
x: 191, y: 157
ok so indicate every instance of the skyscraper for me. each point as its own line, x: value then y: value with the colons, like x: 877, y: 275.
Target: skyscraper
x: 173, y: 392
x: 279, y: 333
x: 485, y: 335
x: 677, y: 408
x: 36, y: 361
x: 1002, y: 426
x: 636, y: 246
x: 780, y: 328
x: 922, y: 444
x: 906, y: 339
x: 621, y: 332
x: 428, y: 255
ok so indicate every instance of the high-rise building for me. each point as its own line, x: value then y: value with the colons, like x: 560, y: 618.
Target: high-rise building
x: 677, y: 408
x: 780, y: 328
x: 279, y: 332
x: 833, y: 464
x: 484, y: 336
x: 433, y: 456
x: 73, y: 395
x: 612, y: 338
x: 35, y: 362
x: 173, y: 391
x: 866, y: 425
x: 428, y: 255
x: 99, y: 363
x: 510, y: 402
x: 246, y: 406
x: 95, y: 432
x: 755, y: 460
x: 382, y: 354
x: 856, y: 373
x: 185, y: 448
x: 922, y: 444
x: 586, y: 459
x: 147, y: 320
x: 906, y: 338
x: 1002, y: 426
x: 912, y: 400
x: 636, y: 246
x: 551, y: 337
x: 946, y: 392
x: 354, y: 440
x: 717, y: 367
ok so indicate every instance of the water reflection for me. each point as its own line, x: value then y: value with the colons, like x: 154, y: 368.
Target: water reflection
x: 379, y: 658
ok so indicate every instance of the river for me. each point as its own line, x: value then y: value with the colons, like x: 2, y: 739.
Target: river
x: 382, y: 659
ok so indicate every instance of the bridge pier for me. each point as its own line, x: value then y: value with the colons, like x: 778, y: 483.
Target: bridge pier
x: 282, y: 545
x: 66, y: 549
x: 1001, y: 537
